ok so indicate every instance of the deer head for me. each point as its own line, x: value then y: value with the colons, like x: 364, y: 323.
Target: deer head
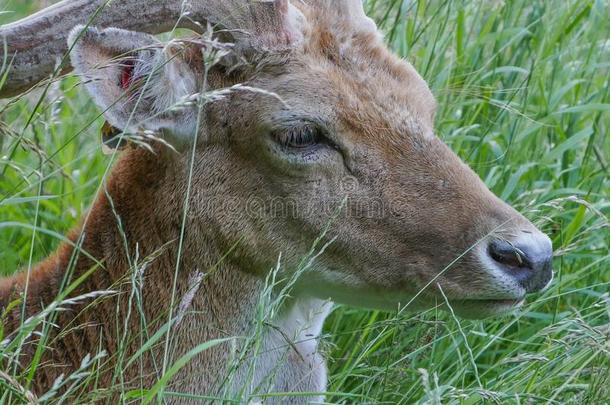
x: 332, y: 128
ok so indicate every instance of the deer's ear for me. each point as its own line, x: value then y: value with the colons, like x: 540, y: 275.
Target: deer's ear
x: 137, y: 82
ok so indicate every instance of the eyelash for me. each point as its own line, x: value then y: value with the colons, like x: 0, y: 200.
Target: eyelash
x: 299, y: 137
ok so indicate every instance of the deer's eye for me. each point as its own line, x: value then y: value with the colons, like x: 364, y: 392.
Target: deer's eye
x: 300, y: 137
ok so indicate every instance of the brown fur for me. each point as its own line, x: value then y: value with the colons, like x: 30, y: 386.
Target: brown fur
x: 379, y: 112
x: 133, y: 176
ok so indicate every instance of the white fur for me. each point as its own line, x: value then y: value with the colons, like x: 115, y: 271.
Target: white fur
x: 302, y: 324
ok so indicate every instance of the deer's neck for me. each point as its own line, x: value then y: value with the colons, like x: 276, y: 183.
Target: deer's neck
x: 276, y: 349
x: 134, y: 229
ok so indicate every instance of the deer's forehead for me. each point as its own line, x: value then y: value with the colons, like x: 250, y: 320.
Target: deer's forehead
x: 378, y: 103
x: 375, y: 94
x: 354, y: 83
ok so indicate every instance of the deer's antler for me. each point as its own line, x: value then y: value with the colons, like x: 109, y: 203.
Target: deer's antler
x: 34, y: 47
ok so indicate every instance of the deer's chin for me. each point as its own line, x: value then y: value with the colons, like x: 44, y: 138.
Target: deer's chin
x: 485, y: 308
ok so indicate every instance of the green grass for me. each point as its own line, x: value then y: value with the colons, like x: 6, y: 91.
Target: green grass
x: 523, y: 89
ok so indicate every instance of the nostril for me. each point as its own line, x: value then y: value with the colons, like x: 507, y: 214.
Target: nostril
x: 507, y: 254
x: 528, y: 260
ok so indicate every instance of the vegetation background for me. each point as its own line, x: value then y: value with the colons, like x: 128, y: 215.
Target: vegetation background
x: 524, y: 94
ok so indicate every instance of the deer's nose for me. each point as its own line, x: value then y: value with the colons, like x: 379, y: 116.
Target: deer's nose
x: 529, y: 260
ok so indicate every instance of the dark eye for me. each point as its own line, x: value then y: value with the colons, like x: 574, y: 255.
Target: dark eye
x: 299, y: 137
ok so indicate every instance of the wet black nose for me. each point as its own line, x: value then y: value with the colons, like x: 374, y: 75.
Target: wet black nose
x: 529, y: 263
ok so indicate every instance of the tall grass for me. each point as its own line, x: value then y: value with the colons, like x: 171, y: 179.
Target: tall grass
x: 523, y: 90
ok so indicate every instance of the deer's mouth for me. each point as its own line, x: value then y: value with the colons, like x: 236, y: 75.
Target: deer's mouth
x: 501, y: 302
x: 484, y: 308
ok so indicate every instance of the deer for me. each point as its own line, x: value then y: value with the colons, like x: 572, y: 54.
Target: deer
x: 319, y: 112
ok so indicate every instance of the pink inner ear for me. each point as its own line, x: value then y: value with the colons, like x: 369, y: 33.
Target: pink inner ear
x: 127, y: 73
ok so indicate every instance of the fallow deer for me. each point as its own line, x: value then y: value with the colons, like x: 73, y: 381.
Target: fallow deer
x: 323, y: 103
